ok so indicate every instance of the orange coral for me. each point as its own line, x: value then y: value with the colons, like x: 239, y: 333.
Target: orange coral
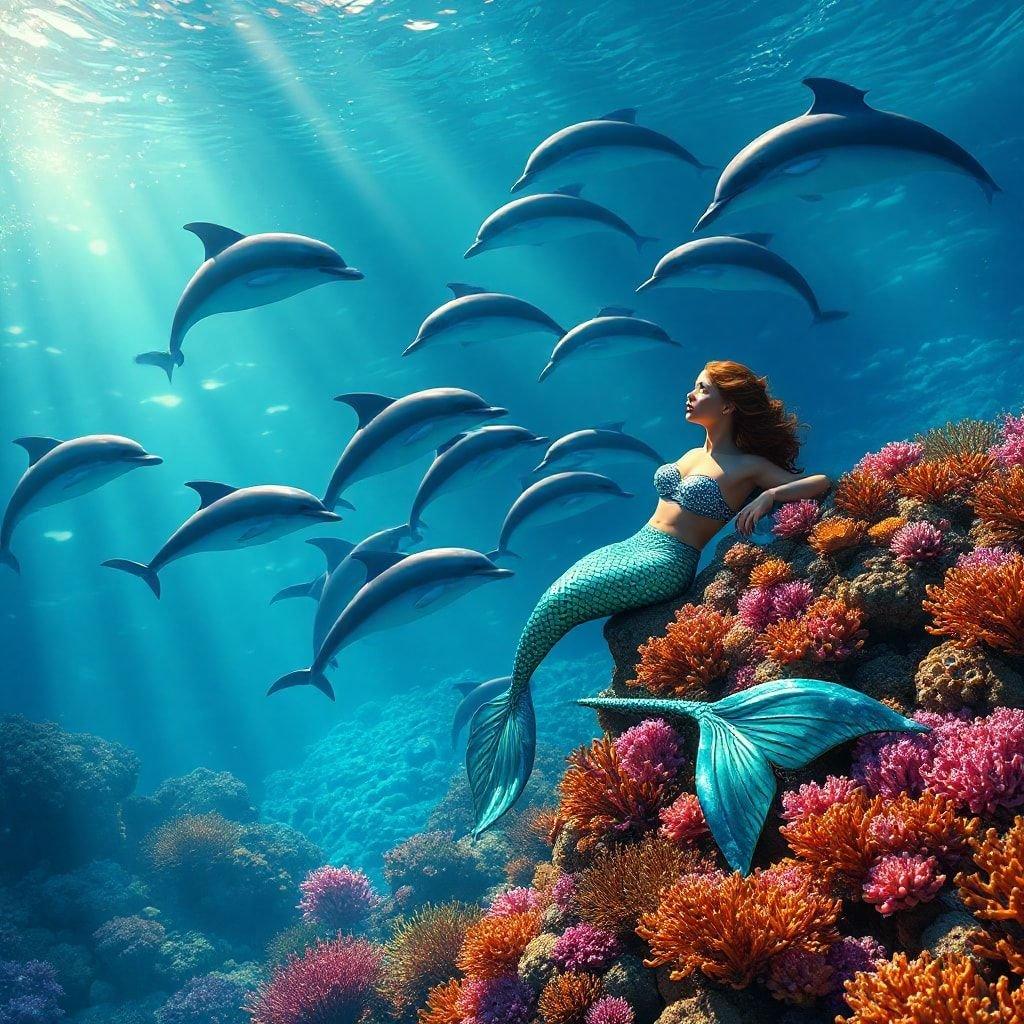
x: 882, y: 532
x: 998, y: 502
x: 688, y: 657
x: 742, y: 557
x: 828, y: 630
x: 785, y: 641
x: 999, y: 899
x: 443, y: 1004
x: 622, y: 884
x: 862, y: 495
x: 970, y: 468
x: 493, y: 945
x: 927, y: 481
x: 598, y: 798
x: 566, y: 998
x: 980, y: 604
x: 519, y: 870
x: 544, y: 877
x: 831, y: 535
x: 770, y: 572
x: 729, y: 927
x: 930, y: 991
x: 546, y: 825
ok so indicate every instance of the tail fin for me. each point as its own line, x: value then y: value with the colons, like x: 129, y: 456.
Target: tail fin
x: 136, y: 569
x: 787, y: 723
x: 312, y: 589
x: 474, y: 696
x: 642, y: 240
x: 499, y: 755
x: 304, y: 677
x: 7, y: 558
x: 164, y: 360
x: 825, y: 316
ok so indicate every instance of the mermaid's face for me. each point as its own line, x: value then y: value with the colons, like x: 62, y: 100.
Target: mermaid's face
x: 704, y: 403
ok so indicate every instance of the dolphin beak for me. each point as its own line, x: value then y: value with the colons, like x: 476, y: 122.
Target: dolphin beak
x: 328, y: 516
x: 476, y: 247
x: 411, y: 347
x: 148, y: 460
x: 343, y: 273
x: 710, y: 214
x: 540, y: 440
x: 649, y: 283
x: 494, y: 411
x: 496, y: 573
x: 521, y: 183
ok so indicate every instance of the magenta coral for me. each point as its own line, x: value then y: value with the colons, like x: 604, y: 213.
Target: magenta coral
x: 980, y: 765
x: 791, y: 599
x: 740, y: 678
x: 610, y: 1010
x: 563, y: 893
x: 683, y: 820
x: 514, y: 901
x: 755, y: 608
x: 503, y: 1000
x: 794, y: 519
x: 983, y: 557
x: 338, y: 898
x: 849, y: 956
x: 1010, y: 450
x: 799, y: 976
x: 834, y: 629
x: 585, y: 947
x: 649, y: 751
x: 901, y: 881
x: 892, y: 459
x: 815, y: 797
x: 918, y: 542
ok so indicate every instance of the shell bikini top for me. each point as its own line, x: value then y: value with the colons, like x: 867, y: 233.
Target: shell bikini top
x: 697, y: 492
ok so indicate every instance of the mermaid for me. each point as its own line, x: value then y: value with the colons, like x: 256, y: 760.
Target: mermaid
x: 746, y: 464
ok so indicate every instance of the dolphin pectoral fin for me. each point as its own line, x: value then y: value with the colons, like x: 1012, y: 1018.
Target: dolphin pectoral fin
x: 433, y: 594
x: 303, y: 677
x: 263, y: 280
x: 255, y: 531
x: 136, y: 569
x: 573, y: 190
x: 311, y: 589
x: 210, y: 491
x: 214, y: 237
x: 165, y: 360
x: 37, y: 447
x: 365, y: 404
x: 7, y: 558
x: 627, y: 114
x: 546, y: 372
x: 834, y: 97
x: 333, y: 548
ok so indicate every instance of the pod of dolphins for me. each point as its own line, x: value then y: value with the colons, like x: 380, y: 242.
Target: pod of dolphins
x: 375, y: 585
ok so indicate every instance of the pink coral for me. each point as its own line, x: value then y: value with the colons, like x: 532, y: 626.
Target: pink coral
x: 833, y: 628
x: 585, y: 947
x: 980, y: 765
x: 892, y: 459
x: 983, y: 557
x: 683, y: 820
x: 755, y: 608
x: 564, y: 891
x: 847, y: 957
x: 815, y: 798
x: 1010, y: 451
x: 740, y: 678
x: 791, y: 599
x: 514, y: 901
x: 610, y: 1010
x: 649, y: 751
x: 918, y: 542
x: 901, y: 881
x: 503, y: 1000
x: 794, y: 519
x: 338, y: 898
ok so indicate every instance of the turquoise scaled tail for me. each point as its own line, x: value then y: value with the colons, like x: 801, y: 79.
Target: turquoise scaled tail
x: 786, y: 723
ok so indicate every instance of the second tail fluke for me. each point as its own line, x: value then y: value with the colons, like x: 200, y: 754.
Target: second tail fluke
x: 303, y: 677
x: 167, y: 361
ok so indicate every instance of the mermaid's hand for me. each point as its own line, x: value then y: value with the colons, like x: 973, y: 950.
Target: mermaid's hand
x: 748, y: 516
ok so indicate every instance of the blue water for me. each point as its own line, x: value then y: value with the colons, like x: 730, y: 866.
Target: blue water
x: 390, y: 130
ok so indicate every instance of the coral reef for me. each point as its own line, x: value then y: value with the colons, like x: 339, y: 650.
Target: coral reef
x: 29, y: 993
x: 206, y: 1000
x: 337, y: 898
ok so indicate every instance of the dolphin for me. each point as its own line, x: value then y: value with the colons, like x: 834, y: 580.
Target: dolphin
x: 607, y: 143
x: 230, y: 518
x: 476, y: 314
x: 334, y: 551
x: 614, y: 328
x: 554, y: 498
x: 398, y: 590
x: 533, y: 220
x: 394, y: 432
x: 591, y: 447
x: 464, y: 458
x: 474, y: 696
x: 839, y: 143
x: 245, y: 271
x: 734, y: 263
x: 59, y: 470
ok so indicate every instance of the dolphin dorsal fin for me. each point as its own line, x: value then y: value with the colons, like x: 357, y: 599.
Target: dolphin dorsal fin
x: 573, y: 190
x: 214, y: 237
x: 442, y: 448
x: 37, y: 447
x: 460, y: 290
x: 465, y: 688
x: 614, y: 311
x: 377, y: 562
x: 617, y: 426
x: 334, y: 550
x: 366, y: 404
x: 210, y: 491
x: 627, y: 114
x: 832, y: 97
x: 757, y: 237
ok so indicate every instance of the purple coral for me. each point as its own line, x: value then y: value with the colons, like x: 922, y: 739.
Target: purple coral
x: 610, y: 1010
x: 649, y: 751
x: 740, y: 678
x: 755, y: 608
x: 983, y: 558
x: 917, y: 542
x: 564, y: 891
x: 790, y: 599
x: 338, y: 898
x: 206, y: 1000
x: 29, y: 992
x: 849, y: 956
x: 892, y: 459
x: 1010, y: 451
x: 585, y: 947
x: 503, y: 1000
x: 800, y: 976
x: 795, y: 519
x: 513, y: 901
x: 902, y: 880
x: 815, y: 798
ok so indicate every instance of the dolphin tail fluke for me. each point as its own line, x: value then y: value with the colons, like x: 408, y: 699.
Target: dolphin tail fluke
x: 136, y: 569
x: 7, y: 558
x: 546, y: 372
x: 827, y: 316
x: 499, y: 755
x: 501, y: 553
x: 312, y: 590
x: 342, y: 503
x: 304, y: 677
x: 642, y: 240
x: 165, y: 360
